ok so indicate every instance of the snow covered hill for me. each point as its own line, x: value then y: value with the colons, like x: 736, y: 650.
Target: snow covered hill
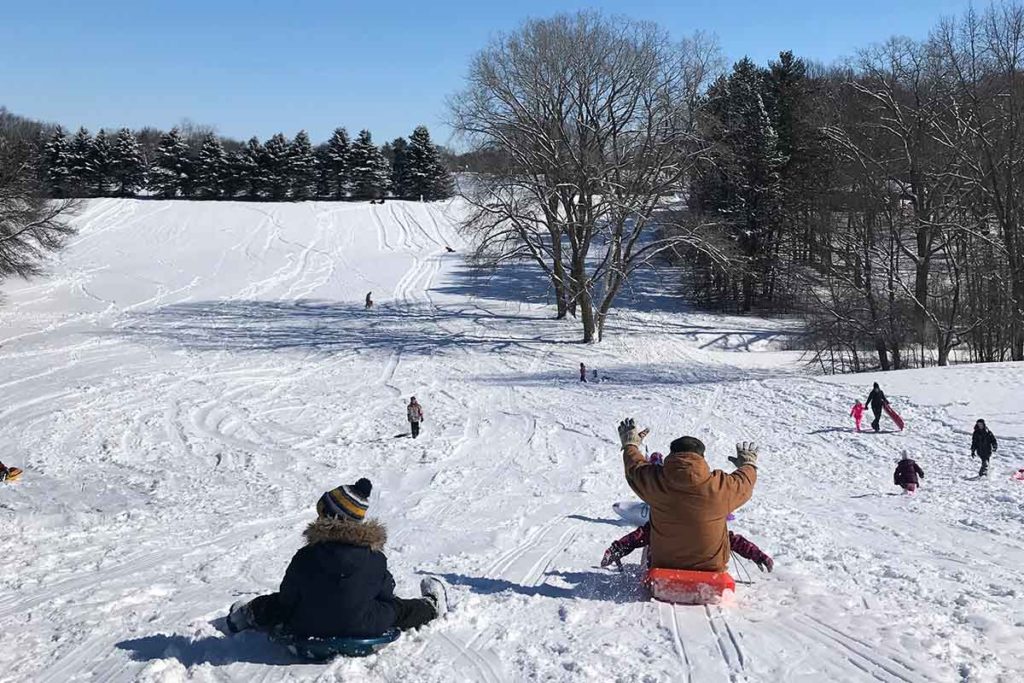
x: 192, y: 376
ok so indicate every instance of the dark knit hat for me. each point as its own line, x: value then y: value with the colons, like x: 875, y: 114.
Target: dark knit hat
x: 346, y: 502
x: 688, y: 444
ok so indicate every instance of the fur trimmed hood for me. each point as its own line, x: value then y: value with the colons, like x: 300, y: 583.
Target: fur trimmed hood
x: 371, y: 533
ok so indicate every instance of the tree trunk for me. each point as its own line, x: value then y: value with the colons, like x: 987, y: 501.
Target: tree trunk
x: 883, y: 354
x: 587, y: 317
x: 558, y: 280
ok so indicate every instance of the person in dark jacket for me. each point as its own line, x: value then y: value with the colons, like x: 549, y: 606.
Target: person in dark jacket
x: 877, y: 400
x: 338, y: 584
x: 908, y: 474
x: 983, y: 444
x: 415, y: 414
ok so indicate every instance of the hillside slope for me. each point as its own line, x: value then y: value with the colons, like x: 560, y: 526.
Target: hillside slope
x: 193, y: 375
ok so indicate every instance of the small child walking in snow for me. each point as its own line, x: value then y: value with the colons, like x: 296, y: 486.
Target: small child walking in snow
x: 641, y: 538
x: 583, y: 372
x: 908, y: 474
x: 858, y: 413
x: 415, y: 415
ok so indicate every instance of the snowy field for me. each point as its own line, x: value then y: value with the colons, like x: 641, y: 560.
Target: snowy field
x: 192, y: 376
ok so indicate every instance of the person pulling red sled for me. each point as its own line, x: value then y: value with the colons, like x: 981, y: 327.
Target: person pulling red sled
x: 878, y: 402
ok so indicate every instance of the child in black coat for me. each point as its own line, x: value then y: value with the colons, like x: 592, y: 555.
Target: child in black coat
x: 908, y: 474
x: 338, y: 584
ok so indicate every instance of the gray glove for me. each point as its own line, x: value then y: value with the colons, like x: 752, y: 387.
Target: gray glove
x: 629, y: 435
x: 746, y: 454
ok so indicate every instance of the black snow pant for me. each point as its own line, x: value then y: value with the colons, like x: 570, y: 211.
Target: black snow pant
x: 409, y: 613
x: 877, y: 410
x: 413, y: 612
x: 267, y: 611
x: 415, y: 429
x: 984, y: 465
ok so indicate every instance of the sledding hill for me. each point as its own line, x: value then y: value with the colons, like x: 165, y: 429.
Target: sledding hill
x: 192, y: 376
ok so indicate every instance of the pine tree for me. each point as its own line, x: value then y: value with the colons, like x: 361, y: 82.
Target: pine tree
x: 251, y: 159
x: 338, y: 156
x: 57, y: 158
x: 323, y: 172
x: 301, y: 167
x: 234, y: 179
x: 100, y: 163
x: 741, y: 186
x: 426, y: 174
x: 400, y: 185
x: 274, y: 164
x: 211, y: 167
x: 126, y: 165
x: 173, y: 169
x: 80, y: 164
x: 369, y: 169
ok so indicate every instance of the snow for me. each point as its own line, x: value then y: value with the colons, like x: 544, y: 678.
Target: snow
x: 193, y: 375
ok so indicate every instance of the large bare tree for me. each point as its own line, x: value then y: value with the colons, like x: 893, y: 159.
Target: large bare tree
x: 594, y: 117
x: 30, y: 224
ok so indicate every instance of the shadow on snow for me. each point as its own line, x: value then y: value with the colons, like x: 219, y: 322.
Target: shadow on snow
x: 605, y: 586
x: 253, y: 648
x: 333, y: 327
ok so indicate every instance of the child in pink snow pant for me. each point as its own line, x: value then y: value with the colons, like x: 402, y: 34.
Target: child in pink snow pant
x: 641, y: 537
x: 858, y: 413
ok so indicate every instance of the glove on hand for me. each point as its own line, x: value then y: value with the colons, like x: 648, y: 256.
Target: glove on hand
x: 765, y: 564
x: 628, y: 434
x: 746, y: 454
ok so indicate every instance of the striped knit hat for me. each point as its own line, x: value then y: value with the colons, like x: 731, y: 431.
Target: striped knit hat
x: 347, y: 502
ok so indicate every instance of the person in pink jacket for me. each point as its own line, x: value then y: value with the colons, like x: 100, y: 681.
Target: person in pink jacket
x: 858, y: 413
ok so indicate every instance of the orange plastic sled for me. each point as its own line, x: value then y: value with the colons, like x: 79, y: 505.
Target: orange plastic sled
x: 686, y: 587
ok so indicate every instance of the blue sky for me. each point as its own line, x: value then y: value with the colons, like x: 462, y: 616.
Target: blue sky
x: 254, y: 67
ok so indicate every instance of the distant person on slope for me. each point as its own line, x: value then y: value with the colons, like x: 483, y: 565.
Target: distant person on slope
x: 583, y: 372
x: 983, y: 444
x: 369, y: 300
x: 908, y: 474
x: 415, y: 415
x: 338, y: 584
x: 641, y: 537
x: 877, y: 400
x: 689, y: 502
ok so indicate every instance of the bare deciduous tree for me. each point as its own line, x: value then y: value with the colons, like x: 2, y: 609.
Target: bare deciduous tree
x: 595, y: 119
x: 30, y: 224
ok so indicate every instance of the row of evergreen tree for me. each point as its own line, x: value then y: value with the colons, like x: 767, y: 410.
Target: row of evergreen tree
x: 209, y: 167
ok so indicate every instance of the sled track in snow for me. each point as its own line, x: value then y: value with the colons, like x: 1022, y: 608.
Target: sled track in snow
x: 727, y: 642
x: 870, y: 659
x: 484, y: 665
x: 531, y: 567
x: 677, y: 642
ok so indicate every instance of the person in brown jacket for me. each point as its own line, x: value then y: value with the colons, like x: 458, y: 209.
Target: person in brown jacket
x: 689, y: 502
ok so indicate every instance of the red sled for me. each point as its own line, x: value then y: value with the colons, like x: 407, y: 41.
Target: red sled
x: 687, y: 587
x: 894, y: 416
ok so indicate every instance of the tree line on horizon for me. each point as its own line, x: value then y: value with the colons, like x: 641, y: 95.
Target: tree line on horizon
x: 195, y: 163
x: 881, y: 200
x: 44, y: 174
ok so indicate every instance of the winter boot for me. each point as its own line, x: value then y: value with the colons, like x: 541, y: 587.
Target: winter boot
x: 434, y: 591
x: 240, y: 617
